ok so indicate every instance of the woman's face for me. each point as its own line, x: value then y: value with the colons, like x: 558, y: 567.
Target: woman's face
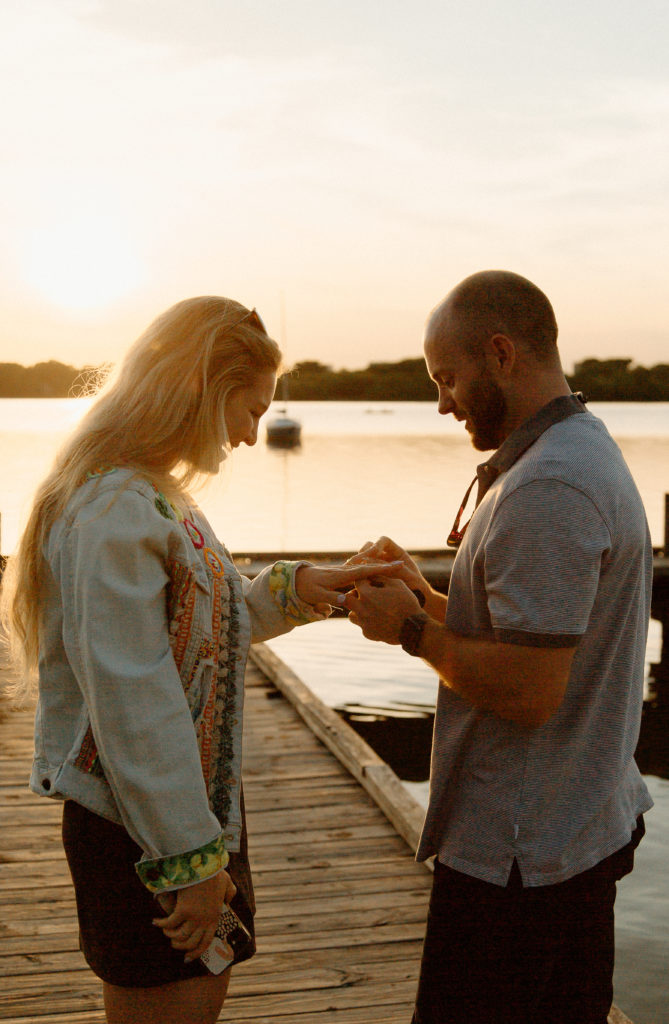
x: 244, y: 406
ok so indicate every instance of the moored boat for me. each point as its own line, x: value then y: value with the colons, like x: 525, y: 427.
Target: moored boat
x: 283, y: 431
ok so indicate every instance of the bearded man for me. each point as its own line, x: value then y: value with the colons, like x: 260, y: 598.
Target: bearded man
x: 536, y: 803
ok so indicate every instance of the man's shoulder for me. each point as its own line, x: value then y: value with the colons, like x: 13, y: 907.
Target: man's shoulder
x: 575, y: 473
x: 578, y: 451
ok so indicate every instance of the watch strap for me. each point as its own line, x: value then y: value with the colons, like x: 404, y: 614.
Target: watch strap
x: 411, y: 632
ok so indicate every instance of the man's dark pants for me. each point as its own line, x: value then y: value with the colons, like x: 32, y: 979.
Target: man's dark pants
x: 534, y: 955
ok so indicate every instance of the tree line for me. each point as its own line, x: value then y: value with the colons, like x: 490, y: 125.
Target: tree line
x: 43, y: 380
x: 601, y: 380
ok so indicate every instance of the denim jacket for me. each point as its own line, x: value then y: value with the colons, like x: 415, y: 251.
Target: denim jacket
x: 145, y: 633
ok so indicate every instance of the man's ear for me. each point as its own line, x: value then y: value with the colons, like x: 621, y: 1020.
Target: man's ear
x: 501, y: 351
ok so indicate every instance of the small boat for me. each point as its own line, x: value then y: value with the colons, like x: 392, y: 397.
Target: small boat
x: 283, y: 431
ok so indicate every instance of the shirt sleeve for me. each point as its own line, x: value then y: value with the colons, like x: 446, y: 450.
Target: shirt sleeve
x: 113, y: 580
x: 543, y: 558
x: 273, y: 603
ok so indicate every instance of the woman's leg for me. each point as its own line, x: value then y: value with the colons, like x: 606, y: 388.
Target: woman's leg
x: 192, y: 1001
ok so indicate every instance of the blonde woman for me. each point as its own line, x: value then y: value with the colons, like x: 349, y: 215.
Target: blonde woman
x: 140, y: 625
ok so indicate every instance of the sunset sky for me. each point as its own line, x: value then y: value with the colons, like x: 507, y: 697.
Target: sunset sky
x: 359, y: 157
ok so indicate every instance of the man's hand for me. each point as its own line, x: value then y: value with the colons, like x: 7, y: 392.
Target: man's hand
x: 379, y: 607
x: 386, y: 550
x: 195, y: 912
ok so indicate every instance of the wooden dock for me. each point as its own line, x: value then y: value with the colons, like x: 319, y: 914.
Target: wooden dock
x: 341, y: 901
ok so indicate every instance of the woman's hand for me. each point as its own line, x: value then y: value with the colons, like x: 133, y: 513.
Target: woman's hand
x: 194, y: 913
x: 323, y: 586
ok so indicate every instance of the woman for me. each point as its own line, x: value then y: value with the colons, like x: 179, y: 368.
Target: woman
x: 140, y: 625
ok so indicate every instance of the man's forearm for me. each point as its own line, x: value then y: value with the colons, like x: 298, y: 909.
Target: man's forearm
x: 524, y: 685
x: 435, y: 605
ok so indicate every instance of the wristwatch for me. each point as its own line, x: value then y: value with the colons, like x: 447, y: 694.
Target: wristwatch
x: 411, y: 632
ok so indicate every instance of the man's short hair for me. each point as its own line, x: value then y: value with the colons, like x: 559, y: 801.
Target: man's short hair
x: 500, y: 302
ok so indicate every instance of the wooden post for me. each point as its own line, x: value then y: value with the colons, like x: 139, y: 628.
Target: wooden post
x: 666, y: 525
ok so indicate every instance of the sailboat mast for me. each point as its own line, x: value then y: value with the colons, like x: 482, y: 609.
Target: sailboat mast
x: 282, y: 340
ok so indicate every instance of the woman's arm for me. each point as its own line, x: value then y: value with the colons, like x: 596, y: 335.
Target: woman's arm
x: 289, y: 594
x: 111, y: 568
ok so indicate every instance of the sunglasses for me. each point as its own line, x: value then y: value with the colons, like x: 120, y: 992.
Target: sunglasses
x: 454, y: 539
x: 253, y: 317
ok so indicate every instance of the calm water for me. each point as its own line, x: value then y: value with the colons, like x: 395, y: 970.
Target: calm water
x: 363, y: 469
x: 396, y: 468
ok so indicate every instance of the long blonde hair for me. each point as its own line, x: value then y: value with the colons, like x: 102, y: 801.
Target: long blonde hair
x: 160, y: 413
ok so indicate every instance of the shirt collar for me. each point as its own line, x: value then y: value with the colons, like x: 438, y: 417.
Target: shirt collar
x: 525, y: 435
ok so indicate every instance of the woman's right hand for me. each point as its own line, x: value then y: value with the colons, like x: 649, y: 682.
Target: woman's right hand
x: 192, y: 923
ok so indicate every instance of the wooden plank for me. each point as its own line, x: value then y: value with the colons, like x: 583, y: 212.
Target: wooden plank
x: 265, y: 963
x: 359, y: 759
x: 368, y: 906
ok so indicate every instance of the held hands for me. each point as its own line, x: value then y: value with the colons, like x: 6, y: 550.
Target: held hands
x: 193, y: 913
x: 378, y: 587
x: 386, y: 550
x: 323, y: 586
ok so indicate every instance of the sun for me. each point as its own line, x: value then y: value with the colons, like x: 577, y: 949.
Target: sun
x: 82, y: 262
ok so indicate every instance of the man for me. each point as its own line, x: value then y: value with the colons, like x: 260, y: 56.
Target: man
x: 536, y: 802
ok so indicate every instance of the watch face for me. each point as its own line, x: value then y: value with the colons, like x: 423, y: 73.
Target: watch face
x: 411, y: 632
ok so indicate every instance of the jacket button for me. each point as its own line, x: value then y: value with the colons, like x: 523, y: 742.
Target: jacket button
x: 46, y: 784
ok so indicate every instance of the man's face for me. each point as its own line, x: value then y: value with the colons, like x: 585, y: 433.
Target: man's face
x: 467, y: 388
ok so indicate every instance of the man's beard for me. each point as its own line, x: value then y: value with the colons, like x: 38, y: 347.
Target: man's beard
x: 487, y: 413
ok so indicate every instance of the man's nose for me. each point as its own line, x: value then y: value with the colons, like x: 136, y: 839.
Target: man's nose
x: 446, y: 403
x: 253, y: 436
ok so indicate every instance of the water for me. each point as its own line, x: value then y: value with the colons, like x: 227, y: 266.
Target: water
x: 395, y: 468
x: 363, y: 469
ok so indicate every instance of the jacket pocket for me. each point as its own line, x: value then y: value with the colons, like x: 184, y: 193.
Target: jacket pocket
x: 199, y: 690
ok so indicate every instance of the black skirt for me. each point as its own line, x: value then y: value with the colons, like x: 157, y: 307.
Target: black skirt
x: 115, y: 911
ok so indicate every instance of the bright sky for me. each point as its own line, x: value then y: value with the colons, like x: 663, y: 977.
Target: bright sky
x: 359, y: 156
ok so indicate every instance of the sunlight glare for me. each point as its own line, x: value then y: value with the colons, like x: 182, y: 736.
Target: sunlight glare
x: 82, y: 262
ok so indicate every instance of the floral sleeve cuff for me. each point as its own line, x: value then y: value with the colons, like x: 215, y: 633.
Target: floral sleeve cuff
x: 282, y: 589
x: 166, y: 873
